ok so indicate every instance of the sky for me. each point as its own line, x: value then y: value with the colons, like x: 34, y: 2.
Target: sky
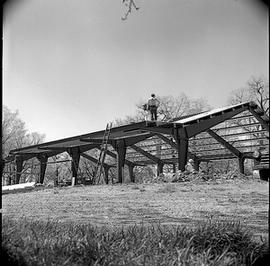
x: 71, y: 66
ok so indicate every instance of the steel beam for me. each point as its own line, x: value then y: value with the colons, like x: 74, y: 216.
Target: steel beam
x: 85, y: 148
x: 204, y: 124
x: 147, y: 154
x: 50, y: 154
x: 128, y: 140
x: 97, y: 134
x: 127, y: 162
x: 94, y: 160
x: 224, y: 143
x: 53, y: 148
x: 174, y: 145
x: 133, y: 140
x: 159, y: 130
x: 56, y: 150
x: 167, y: 140
x: 25, y: 156
x: 94, y: 141
x: 264, y: 124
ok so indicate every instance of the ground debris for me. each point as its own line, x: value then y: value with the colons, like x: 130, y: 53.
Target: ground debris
x: 187, y: 177
x: 180, y: 176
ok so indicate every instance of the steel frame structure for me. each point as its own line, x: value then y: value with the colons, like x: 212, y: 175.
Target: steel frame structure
x: 160, y: 143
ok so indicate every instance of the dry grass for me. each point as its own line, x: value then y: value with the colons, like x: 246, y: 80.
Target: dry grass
x: 53, y: 243
x: 179, y: 203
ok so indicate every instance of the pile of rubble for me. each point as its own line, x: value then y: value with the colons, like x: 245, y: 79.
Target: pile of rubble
x: 187, y: 177
x: 180, y: 176
x: 232, y: 174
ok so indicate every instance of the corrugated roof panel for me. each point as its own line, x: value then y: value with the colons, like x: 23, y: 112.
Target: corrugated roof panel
x: 207, y: 113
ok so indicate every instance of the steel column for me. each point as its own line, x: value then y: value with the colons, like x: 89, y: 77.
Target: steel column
x: 75, y: 155
x: 43, y: 165
x: 196, y: 164
x: 19, y: 167
x: 174, y: 168
x: 241, y: 163
x: 2, y: 166
x: 120, y: 149
x: 106, y: 173
x: 181, y: 139
x: 131, y: 173
x: 160, y: 168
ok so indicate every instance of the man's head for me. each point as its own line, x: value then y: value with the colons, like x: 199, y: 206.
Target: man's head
x: 153, y: 95
x: 190, y: 161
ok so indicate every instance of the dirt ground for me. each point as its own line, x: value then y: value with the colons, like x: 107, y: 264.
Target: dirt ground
x: 186, y: 204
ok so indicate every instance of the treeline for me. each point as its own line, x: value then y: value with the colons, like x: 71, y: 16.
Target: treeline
x: 14, y: 133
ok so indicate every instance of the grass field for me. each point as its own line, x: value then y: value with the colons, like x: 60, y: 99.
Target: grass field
x: 222, y: 222
x: 188, y: 204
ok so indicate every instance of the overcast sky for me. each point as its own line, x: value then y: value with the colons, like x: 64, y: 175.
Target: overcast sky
x: 71, y: 66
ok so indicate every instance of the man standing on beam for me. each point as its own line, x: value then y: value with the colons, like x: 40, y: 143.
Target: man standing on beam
x: 152, y: 105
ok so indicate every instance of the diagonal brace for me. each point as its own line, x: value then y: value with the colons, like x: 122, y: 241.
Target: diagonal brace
x: 147, y: 154
x: 224, y: 143
x: 264, y: 123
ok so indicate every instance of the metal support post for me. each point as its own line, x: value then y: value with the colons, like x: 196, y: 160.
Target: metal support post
x: 75, y: 155
x: 160, y: 168
x: 2, y: 167
x: 174, y: 168
x: 121, y: 149
x: 19, y: 167
x: 131, y: 173
x: 241, y: 163
x: 106, y: 174
x: 196, y: 164
x: 181, y: 139
x: 43, y: 165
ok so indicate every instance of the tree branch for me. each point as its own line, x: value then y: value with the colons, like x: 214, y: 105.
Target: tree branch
x: 130, y: 4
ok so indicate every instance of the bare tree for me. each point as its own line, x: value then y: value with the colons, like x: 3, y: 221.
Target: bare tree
x: 13, y: 128
x: 257, y: 90
x: 260, y: 93
x: 170, y: 107
x: 15, y: 134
